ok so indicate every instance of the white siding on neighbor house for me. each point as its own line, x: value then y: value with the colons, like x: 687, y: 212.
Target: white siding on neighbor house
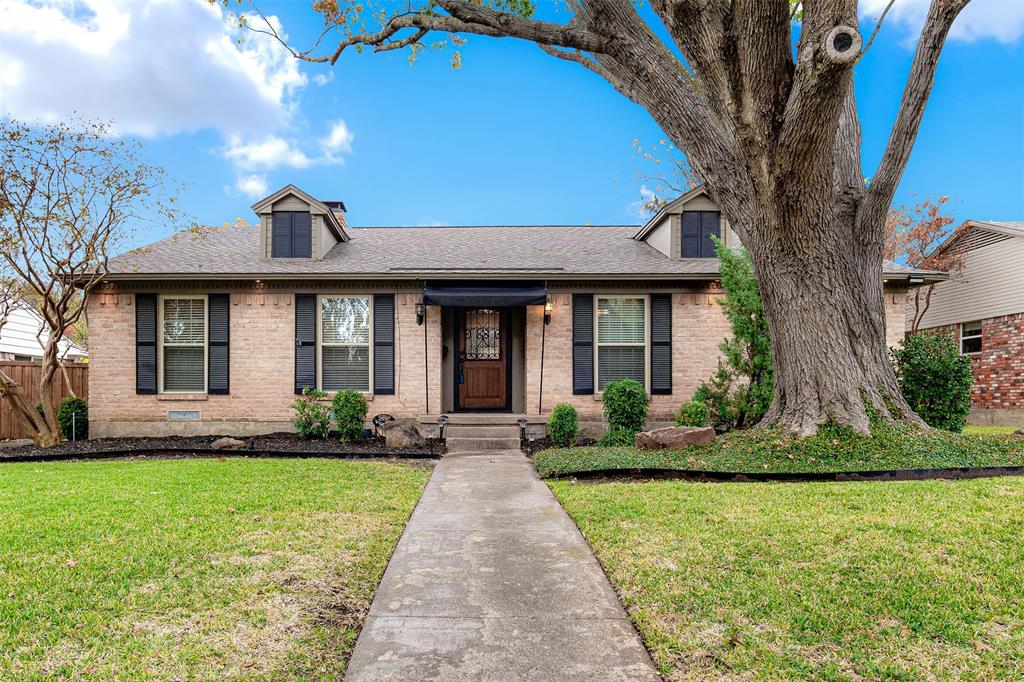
x: 992, y: 286
x: 18, y: 337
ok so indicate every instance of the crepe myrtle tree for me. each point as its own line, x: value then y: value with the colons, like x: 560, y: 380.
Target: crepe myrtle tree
x: 71, y: 193
x: 770, y: 127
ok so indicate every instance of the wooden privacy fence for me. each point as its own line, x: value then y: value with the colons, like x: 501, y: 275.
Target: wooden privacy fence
x: 27, y: 375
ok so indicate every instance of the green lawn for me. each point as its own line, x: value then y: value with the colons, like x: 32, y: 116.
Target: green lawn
x: 974, y: 430
x: 833, y: 449
x: 193, y: 569
x: 916, y: 580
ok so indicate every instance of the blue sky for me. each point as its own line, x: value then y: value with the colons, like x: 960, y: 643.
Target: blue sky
x: 513, y: 137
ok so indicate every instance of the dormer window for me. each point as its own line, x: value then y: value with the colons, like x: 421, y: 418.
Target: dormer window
x: 698, y: 228
x: 292, y: 234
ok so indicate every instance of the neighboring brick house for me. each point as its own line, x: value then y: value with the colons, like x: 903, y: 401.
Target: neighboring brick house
x: 216, y: 332
x: 983, y: 309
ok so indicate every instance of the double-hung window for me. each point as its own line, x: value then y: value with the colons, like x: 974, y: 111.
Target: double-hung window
x: 345, y: 343
x: 183, y: 344
x: 970, y: 338
x: 621, y: 331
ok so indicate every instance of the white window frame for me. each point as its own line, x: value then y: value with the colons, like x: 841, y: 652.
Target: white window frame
x: 978, y: 336
x: 160, y: 339
x: 320, y: 340
x: 646, y: 344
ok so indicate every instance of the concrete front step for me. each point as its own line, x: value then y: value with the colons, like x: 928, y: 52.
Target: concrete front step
x: 462, y: 444
x: 471, y: 431
x: 483, y: 418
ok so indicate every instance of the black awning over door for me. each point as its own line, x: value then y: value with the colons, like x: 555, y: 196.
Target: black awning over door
x: 471, y: 296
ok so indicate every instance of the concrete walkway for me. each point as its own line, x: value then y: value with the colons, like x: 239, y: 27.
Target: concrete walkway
x: 492, y: 581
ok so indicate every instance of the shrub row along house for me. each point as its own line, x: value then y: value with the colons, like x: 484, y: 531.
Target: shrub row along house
x: 215, y: 333
x: 982, y: 308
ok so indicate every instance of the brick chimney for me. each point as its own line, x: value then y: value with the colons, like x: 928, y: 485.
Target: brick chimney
x: 338, y: 209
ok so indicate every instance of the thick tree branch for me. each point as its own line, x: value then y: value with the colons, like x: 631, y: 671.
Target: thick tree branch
x: 940, y: 18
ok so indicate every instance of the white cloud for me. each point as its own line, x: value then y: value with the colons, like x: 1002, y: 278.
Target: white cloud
x: 638, y: 208
x: 1002, y: 20
x: 253, y: 186
x: 339, y: 139
x: 323, y: 79
x: 267, y: 153
x: 156, y: 68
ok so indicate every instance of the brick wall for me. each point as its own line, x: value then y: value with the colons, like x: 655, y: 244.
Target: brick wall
x: 262, y: 367
x: 999, y: 368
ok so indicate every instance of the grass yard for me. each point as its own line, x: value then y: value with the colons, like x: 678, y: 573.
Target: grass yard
x: 193, y: 569
x: 978, y: 430
x: 832, y: 449
x: 916, y: 580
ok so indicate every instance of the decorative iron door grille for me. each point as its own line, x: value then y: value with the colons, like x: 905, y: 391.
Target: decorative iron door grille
x: 483, y: 334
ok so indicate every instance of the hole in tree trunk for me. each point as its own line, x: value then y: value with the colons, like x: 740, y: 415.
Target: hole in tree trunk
x: 842, y: 42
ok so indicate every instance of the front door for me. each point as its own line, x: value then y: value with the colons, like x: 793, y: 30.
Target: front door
x: 482, y: 367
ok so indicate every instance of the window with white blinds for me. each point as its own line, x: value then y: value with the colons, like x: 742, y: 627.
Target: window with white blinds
x: 621, y: 332
x: 183, y: 344
x: 345, y: 342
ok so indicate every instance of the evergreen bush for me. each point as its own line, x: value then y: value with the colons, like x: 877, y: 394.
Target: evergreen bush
x: 350, y: 414
x: 563, y: 425
x: 936, y: 379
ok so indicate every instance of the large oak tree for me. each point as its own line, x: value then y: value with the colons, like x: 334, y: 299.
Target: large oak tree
x: 770, y: 127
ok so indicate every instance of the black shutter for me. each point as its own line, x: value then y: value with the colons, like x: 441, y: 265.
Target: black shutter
x: 691, y: 234
x: 710, y: 224
x: 145, y: 344
x: 582, y: 344
x: 661, y: 344
x: 384, y: 344
x: 281, y: 234
x: 302, y: 235
x: 219, y: 354
x: 305, y: 342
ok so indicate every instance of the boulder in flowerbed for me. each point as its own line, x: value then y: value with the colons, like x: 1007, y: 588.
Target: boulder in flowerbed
x: 227, y: 444
x: 1019, y: 432
x: 403, y: 435
x: 674, y: 437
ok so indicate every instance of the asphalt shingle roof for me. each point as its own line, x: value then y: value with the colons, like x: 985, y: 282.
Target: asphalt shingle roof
x: 557, y: 251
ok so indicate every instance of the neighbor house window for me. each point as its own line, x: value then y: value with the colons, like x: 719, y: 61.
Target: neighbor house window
x: 183, y: 344
x: 291, y: 234
x: 621, y: 339
x: 698, y: 229
x: 345, y: 343
x: 970, y: 338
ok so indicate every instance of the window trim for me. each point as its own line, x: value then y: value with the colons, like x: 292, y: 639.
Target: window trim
x: 646, y: 344
x: 160, y: 341
x: 320, y: 340
x: 979, y: 336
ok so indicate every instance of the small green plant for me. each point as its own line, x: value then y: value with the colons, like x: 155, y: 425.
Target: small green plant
x: 350, y: 414
x: 563, y: 424
x: 313, y: 418
x: 618, y: 437
x: 693, y: 413
x: 625, y: 406
x: 936, y: 380
x: 73, y: 418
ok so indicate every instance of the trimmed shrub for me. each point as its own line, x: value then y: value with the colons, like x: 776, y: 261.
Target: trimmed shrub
x: 936, y: 380
x: 350, y: 414
x: 618, y: 436
x: 313, y: 418
x: 73, y: 418
x: 563, y: 424
x: 625, y: 406
x: 693, y: 413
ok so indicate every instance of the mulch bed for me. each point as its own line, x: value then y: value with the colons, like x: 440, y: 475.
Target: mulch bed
x: 272, y: 445
x: 638, y: 475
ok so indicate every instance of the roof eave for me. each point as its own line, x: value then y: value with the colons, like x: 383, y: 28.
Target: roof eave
x: 666, y: 209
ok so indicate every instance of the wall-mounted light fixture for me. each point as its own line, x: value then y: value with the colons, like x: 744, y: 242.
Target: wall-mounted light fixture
x: 915, y: 280
x: 548, y: 308
x: 421, y: 312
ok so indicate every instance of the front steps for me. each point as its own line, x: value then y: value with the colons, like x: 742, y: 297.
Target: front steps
x: 482, y: 432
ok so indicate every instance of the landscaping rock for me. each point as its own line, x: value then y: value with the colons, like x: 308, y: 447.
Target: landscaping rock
x: 403, y: 435
x: 674, y: 437
x: 1019, y: 432
x: 227, y: 444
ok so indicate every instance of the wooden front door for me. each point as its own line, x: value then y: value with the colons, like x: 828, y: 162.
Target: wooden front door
x: 482, y: 368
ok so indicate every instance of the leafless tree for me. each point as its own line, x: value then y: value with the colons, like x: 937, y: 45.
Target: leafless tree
x: 769, y: 125
x: 70, y: 195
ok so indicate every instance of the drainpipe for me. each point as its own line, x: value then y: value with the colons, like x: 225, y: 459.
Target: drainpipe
x: 543, y: 329
x: 426, y: 366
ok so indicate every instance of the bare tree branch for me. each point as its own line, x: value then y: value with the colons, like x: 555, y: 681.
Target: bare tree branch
x: 878, y: 27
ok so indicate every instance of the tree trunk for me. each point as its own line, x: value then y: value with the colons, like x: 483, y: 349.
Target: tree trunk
x: 825, y: 308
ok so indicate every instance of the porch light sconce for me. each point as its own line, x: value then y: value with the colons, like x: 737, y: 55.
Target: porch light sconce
x: 421, y: 312
x: 548, y: 307
x: 915, y: 280
x: 442, y: 421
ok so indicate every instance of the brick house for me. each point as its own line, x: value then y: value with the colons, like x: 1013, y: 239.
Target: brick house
x: 216, y: 332
x: 983, y: 310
